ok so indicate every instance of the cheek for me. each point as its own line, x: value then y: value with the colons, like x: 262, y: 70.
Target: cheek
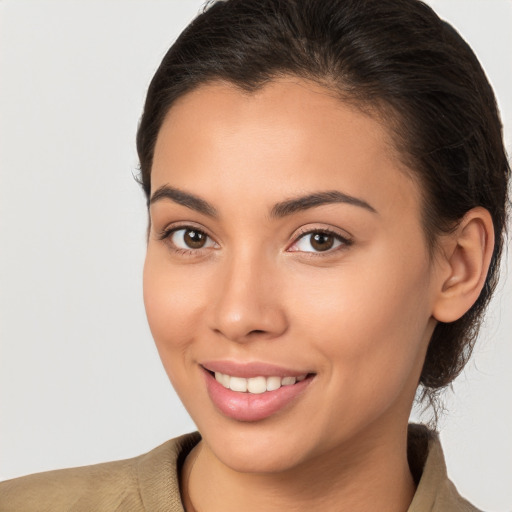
x: 370, y: 320
x: 172, y: 298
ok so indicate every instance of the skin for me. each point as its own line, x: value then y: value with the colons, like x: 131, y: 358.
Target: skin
x: 358, y: 316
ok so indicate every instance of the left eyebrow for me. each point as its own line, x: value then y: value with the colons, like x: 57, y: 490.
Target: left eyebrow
x: 294, y: 205
x: 185, y: 199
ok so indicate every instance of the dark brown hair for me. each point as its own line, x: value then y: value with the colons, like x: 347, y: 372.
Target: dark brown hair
x: 395, y: 57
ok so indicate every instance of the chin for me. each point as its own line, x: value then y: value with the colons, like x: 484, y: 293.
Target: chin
x: 259, y: 447
x: 257, y: 460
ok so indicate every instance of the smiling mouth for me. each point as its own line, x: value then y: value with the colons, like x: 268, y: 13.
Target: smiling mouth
x: 256, y: 391
x: 256, y: 385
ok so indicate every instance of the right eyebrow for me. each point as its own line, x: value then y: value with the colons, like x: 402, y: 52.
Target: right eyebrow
x: 291, y: 206
x: 185, y: 199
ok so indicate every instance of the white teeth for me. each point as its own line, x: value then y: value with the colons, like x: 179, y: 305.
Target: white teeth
x: 288, y: 381
x: 225, y: 380
x: 256, y: 385
x: 238, y: 384
x: 222, y: 378
x: 273, y: 383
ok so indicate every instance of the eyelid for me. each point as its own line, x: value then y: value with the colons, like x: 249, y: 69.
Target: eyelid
x: 344, y: 237
x: 165, y: 235
x: 166, y: 231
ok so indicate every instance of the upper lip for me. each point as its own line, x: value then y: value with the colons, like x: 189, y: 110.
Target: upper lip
x: 251, y: 369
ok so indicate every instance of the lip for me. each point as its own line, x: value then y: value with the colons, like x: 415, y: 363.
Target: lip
x: 251, y: 369
x: 248, y: 407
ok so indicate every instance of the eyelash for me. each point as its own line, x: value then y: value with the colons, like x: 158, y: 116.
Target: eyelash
x: 167, y: 233
x: 345, y: 242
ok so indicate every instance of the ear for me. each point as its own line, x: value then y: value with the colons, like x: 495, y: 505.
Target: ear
x: 467, y: 255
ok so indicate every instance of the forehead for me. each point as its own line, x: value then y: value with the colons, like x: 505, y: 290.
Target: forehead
x: 288, y: 137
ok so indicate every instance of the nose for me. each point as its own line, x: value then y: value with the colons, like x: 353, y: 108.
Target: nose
x: 247, y: 305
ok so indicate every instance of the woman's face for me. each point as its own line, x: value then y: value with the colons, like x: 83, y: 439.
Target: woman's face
x: 286, y: 242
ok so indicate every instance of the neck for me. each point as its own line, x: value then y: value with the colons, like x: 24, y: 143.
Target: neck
x: 355, y: 478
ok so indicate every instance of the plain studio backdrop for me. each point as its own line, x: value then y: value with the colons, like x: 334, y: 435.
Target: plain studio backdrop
x: 80, y: 379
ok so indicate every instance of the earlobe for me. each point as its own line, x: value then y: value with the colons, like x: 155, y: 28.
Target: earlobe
x: 467, y: 252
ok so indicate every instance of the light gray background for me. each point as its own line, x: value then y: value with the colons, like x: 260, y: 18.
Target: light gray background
x: 80, y: 380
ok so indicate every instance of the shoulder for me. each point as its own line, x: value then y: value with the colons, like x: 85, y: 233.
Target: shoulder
x: 95, y: 487
x: 137, y: 484
x: 435, y: 492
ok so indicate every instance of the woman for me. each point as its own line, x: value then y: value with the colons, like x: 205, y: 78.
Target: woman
x: 326, y: 185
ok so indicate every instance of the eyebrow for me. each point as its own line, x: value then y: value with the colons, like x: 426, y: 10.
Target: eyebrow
x: 185, y: 199
x: 279, y: 210
x: 291, y: 206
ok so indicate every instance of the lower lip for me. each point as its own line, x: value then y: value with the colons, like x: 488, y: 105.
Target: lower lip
x: 250, y: 406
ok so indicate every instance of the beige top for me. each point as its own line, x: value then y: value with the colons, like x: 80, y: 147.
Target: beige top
x: 149, y: 483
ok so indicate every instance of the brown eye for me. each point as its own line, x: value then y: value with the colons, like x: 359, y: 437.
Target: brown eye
x: 321, y: 241
x: 190, y: 239
x: 194, y: 239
